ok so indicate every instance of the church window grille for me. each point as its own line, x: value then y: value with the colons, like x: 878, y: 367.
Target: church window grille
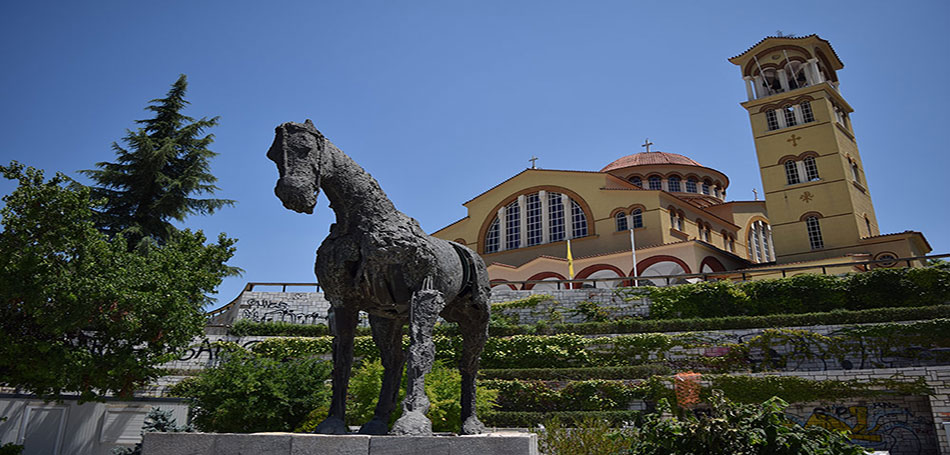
x: 807, y: 114
x: 621, y: 220
x: 691, y: 185
x: 556, y: 215
x: 772, y: 120
x: 789, y: 112
x: 756, y: 239
x: 791, y: 172
x: 674, y: 183
x: 716, y: 192
x: 579, y: 221
x: 636, y: 217
x: 491, y: 238
x: 811, y: 169
x: 814, y: 233
x: 655, y: 183
x: 636, y: 181
x: 512, y: 226
x: 706, y: 188
x: 533, y: 205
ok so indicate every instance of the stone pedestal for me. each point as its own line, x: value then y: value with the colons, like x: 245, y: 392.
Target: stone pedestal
x: 311, y: 444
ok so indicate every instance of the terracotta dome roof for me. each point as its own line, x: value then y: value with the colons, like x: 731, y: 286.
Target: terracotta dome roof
x: 646, y: 158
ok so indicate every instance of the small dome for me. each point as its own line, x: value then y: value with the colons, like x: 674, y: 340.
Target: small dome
x: 648, y: 158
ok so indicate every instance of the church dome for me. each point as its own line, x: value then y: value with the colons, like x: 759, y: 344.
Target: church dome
x: 650, y: 158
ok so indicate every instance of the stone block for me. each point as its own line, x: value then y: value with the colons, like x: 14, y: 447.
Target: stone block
x: 401, y: 445
x: 252, y: 444
x: 178, y: 443
x: 312, y: 444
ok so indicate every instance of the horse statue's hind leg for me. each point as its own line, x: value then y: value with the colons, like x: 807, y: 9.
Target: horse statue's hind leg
x: 423, y: 314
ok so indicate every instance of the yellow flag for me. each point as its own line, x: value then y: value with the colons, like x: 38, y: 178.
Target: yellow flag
x: 570, y: 261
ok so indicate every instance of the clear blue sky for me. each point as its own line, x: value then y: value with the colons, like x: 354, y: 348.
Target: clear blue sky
x: 442, y: 100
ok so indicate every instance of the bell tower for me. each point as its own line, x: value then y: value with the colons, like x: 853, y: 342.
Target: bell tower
x: 816, y: 194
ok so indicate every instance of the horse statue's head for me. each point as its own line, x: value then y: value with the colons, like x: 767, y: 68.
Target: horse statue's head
x: 297, y: 150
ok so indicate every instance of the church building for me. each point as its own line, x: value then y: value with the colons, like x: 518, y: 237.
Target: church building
x: 816, y: 210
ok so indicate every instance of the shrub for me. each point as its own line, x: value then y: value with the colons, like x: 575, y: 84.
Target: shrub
x: 157, y: 420
x: 592, y: 436
x: 443, y: 388
x: 248, y: 393
x: 728, y: 427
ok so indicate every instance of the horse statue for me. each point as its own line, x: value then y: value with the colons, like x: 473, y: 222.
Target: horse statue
x: 378, y: 260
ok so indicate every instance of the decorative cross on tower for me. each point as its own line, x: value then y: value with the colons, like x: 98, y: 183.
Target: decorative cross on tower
x: 532, y: 160
x: 794, y: 140
x: 755, y: 193
x: 647, y: 144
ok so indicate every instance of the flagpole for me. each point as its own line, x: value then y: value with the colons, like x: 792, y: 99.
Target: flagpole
x: 570, y: 263
x: 633, y: 249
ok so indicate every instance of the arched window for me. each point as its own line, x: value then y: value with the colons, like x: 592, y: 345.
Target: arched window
x: 811, y: 169
x: 654, y: 182
x: 772, y: 120
x: 814, y: 232
x: 636, y: 217
x: 789, y: 113
x: 674, y: 183
x: 491, y: 238
x: 533, y: 203
x: 706, y: 184
x: 679, y: 221
x: 796, y: 75
x: 556, y: 214
x: 636, y: 181
x: 578, y: 220
x: 621, y: 220
x: 791, y: 172
x: 717, y: 192
x: 807, y: 114
x: 867, y: 222
x: 672, y: 218
x: 691, y: 185
x: 505, y: 231
x: 513, y: 226
x: 854, y: 170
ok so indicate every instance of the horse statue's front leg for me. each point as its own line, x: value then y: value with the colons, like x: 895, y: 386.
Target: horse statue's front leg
x: 423, y: 313
x: 344, y: 320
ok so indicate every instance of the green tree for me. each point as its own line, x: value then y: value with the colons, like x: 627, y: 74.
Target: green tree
x: 158, y: 174
x: 80, y: 312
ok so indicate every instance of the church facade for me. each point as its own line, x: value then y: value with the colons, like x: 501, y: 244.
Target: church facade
x: 816, y: 210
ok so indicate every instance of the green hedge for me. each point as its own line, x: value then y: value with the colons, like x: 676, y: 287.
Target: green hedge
x: 516, y: 419
x: 919, y: 340
x: 593, y: 395
x: 563, y: 374
x: 881, y: 288
x: 631, y: 325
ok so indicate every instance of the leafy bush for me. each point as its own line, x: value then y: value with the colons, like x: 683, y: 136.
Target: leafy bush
x: 525, y: 419
x: 11, y: 449
x: 249, y: 393
x: 592, y: 436
x: 443, y: 388
x: 728, y: 427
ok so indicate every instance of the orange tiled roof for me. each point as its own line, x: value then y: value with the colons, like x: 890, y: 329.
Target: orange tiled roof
x: 647, y: 158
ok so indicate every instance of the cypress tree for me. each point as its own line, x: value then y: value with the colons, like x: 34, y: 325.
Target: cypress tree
x: 160, y: 172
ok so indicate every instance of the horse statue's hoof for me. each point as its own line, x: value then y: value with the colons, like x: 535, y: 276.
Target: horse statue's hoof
x: 332, y: 425
x: 412, y: 424
x: 473, y: 426
x: 375, y: 427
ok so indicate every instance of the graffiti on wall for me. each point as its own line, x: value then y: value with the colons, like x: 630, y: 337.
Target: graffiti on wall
x: 266, y: 310
x: 878, y: 426
x: 210, y: 349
